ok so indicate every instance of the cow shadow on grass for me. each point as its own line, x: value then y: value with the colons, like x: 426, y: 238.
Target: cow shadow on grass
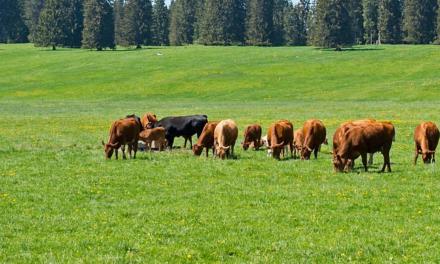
x: 350, y: 49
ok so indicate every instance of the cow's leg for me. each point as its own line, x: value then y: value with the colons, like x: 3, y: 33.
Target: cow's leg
x: 433, y: 157
x: 370, y: 161
x: 316, y: 152
x: 207, y: 152
x: 190, y: 142
x: 129, y: 150
x: 123, y: 152
x: 184, y: 145
x: 292, y: 148
x: 170, y: 142
x: 385, y: 161
x: 135, y: 149
x: 365, y: 161
x: 116, y: 153
x: 416, y: 155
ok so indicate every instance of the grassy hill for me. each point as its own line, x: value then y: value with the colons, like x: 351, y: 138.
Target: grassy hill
x: 61, y: 201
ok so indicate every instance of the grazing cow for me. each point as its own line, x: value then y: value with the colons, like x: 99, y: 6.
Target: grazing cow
x: 182, y: 126
x: 298, y: 140
x: 361, y: 140
x: 340, y: 131
x: 148, y: 120
x: 153, y: 134
x: 206, y: 139
x: 225, y: 136
x: 426, y: 137
x: 252, y: 134
x: 314, y: 134
x: 280, y: 134
x: 123, y: 132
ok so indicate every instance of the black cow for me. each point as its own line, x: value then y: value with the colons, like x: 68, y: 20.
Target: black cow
x: 182, y: 126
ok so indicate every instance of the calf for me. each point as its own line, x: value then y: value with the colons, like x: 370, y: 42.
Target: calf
x: 225, y: 136
x: 252, y: 134
x: 280, y: 134
x: 426, y: 137
x: 314, y: 133
x: 298, y: 140
x: 206, y: 139
x: 153, y: 134
x: 182, y: 126
x: 123, y: 132
x: 361, y: 140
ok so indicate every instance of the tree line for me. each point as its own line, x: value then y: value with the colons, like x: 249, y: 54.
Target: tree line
x: 100, y: 24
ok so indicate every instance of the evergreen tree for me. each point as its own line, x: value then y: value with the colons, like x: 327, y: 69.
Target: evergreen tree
x: 312, y: 25
x: 119, y: 23
x: 419, y: 21
x: 295, y: 23
x: 161, y: 23
x: 98, y: 30
x: 12, y: 25
x: 199, y: 14
x: 259, y: 26
x: 74, y: 19
x: 334, y: 24
x: 438, y: 23
x: 357, y: 22
x: 279, y: 9
x: 138, y: 20
x: 183, y: 18
x: 371, y: 20
x: 33, y: 9
x: 52, y: 25
x: 390, y: 19
x: 221, y: 23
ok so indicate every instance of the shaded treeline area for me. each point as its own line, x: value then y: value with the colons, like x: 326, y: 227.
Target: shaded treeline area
x: 100, y: 24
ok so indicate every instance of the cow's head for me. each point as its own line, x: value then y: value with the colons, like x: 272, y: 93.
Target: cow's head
x: 108, y: 149
x: 428, y: 156
x: 338, y: 163
x: 222, y: 152
x: 246, y: 145
x: 276, y: 150
x: 306, y: 152
x: 197, y: 149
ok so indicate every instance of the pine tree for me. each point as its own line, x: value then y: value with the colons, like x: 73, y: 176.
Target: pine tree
x: 357, y: 22
x: 138, y: 20
x: 52, y: 25
x: 119, y: 22
x: 279, y: 9
x: 161, y: 23
x: 259, y: 24
x: 312, y: 25
x: 12, y: 25
x: 295, y: 23
x: 74, y: 17
x: 371, y: 21
x: 33, y: 9
x: 438, y: 23
x: 419, y: 21
x: 98, y: 30
x: 390, y: 19
x: 183, y: 18
x: 221, y: 23
x: 334, y: 24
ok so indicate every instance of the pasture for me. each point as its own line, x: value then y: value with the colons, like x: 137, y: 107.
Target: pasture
x: 61, y: 201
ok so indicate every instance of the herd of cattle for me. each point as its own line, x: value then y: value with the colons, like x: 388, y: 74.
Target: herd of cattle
x: 351, y: 140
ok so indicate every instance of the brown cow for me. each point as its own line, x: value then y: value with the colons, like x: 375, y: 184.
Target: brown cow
x: 206, y: 139
x: 314, y: 134
x: 225, y: 136
x: 148, y: 120
x: 298, y: 140
x: 153, y: 134
x: 123, y: 132
x: 340, y: 131
x: 252, y: 134
x: 426, y: 137
x: 361, y: 140
x: 280, y: 134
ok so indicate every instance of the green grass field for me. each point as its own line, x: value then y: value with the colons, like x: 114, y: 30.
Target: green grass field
x: 61, y: 201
